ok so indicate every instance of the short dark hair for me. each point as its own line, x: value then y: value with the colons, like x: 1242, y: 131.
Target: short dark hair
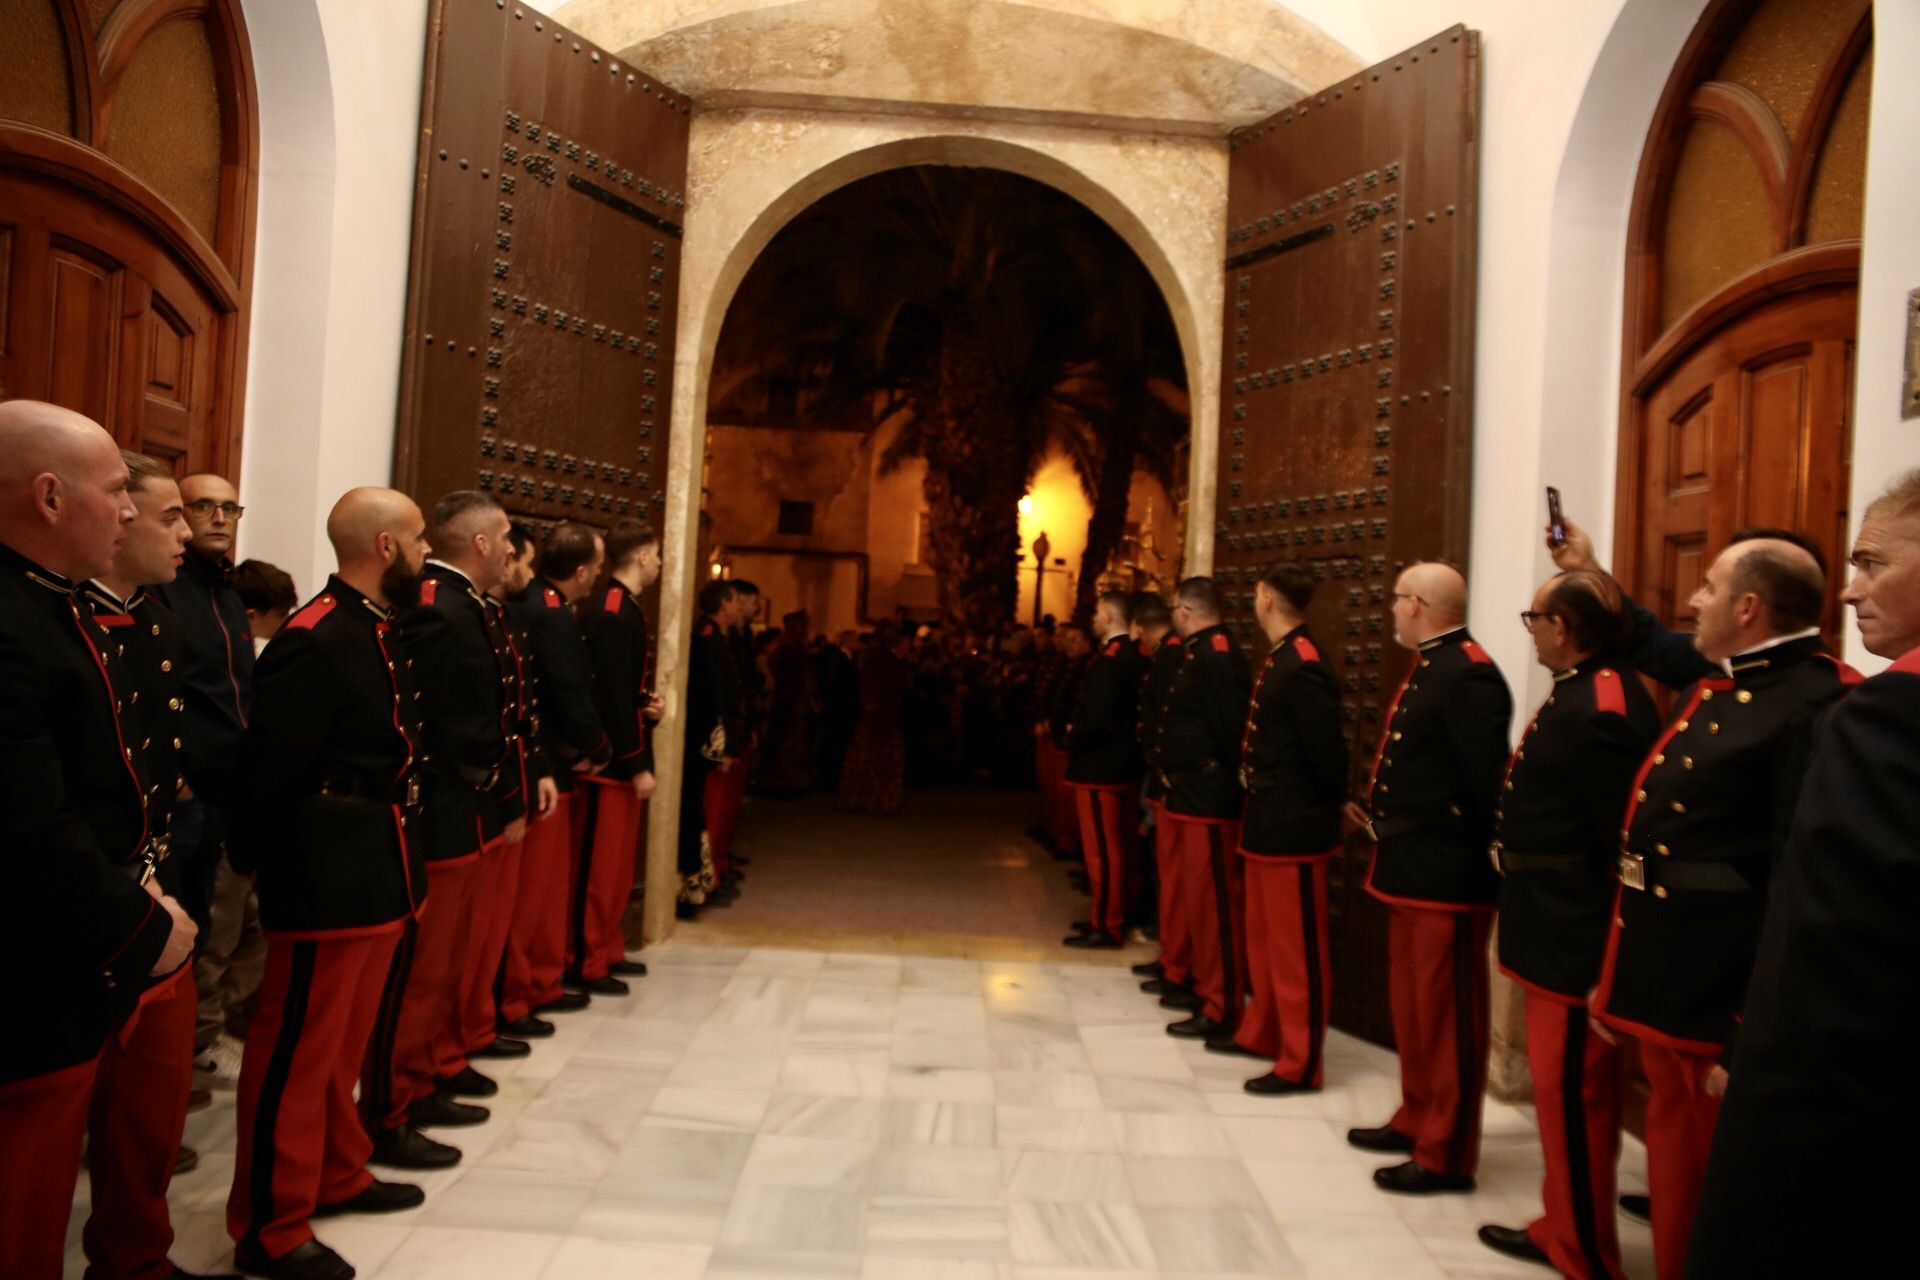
x: 626, y: 539
x: 1795, y: 599
x: 715, y: 594
x: 1202, y: 595
x: 1149, y: 610
x: 263, y: 587
x: 1292, y: 582
x: 141, y: 468
x: 453, y: 508
x: 522, y: 535
x: 744, y: 588
x: 1122, y: 601
x: 1799, y: 540
x: 1595, y: 610
x: 568, y: 548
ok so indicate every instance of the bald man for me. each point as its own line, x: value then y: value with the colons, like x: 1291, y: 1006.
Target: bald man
x: 1705, y: 823
x: 90, y: 929
x: 332, y: 756
x: 1432, y: 797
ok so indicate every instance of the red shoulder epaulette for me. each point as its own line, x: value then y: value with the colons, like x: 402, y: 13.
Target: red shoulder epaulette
x: 316, y: 609
x: 429, y: 590
x: 1173, y: 638
x: 1475, y: 653
x: 1304, y: 647
x: 1220, y: 642
x: 1609, y: 694
x: 551, y: 599
x: 1848, y: 676
x: 706, y: 628
x: 1908, y: 664
x: 1113, y: 647
x: 612, y: 604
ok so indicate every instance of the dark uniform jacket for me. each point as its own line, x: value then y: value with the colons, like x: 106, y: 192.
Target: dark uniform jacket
x: 1101, y: 748
x: 569, y: 728
x: 1437, y: 777
x: 616, y: 632
x: 512, y: 797
x: 1201, y: 727
x: 1294, y: 755
x: 1555, y: 842
x: 1709, y: 812
x: 84, y: 933
x: 1161, y: 668
x: 1064, y: 697
x: 464, y: 673
x: 219, y: 676
x: 714, y: 698
x: 1821, y: 1086
x: 331, y: 758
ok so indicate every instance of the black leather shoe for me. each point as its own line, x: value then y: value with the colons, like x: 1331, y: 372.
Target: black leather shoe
x: 502, y: 1047
x: 628, y: 968
x: 1182, y: 999
x: 1160, y: 986
x: 408, y: 1148
x: 180, y: 1273
x: 685, y: 911
x: 1385, y: 1139
x: 722, y: 898
x: 1223, y: 1042
x: 311, y: 1261
x: 1198, y: 1027
x: 1093, y: 941
x: 437, y: 1110
x: 1079, y: 926
x: 608, y: 987
x: 1273, y: 1086
x: 379, y: 1197
x: 1151, y: 969
x: 1411, y: 1179
x: 1515, y: 1244
x: 470, y: 1084
x: 185, y: 1160
x: 1638, y: 1207
x: 569, y: 1002
x: 526, y: 1027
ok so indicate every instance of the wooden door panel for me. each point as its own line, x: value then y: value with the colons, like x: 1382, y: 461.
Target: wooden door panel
x: 1774, y: 427
x: 7, y: 238
x: 83, y: 310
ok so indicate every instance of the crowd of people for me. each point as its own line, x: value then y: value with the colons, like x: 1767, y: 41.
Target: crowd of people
x: 1731, y: 887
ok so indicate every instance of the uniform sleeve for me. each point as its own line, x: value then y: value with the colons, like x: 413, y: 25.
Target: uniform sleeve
x: 1315, y: 707
x: 566, y: 683
x: 1227, y: 689
x: 454, y: 673
x: 610, y: 650
x: 1477, y: 714
x: 1792, y: 753
x: 1665, y: 654
x: 293, y: 707
x: 1093, y: 715
x: 1615, y: 750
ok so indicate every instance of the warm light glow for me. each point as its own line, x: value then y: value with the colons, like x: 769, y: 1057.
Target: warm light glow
x: 717, y: 570
x: 1026, y: 504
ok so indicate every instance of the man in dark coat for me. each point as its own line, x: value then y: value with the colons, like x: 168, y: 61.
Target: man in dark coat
x: 1170, y: 972
x: 712, y: 728
x: 1103, y: 771
x: 1819, y: 1097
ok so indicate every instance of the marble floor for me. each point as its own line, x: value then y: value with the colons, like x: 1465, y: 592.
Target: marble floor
x: 787, y: 1114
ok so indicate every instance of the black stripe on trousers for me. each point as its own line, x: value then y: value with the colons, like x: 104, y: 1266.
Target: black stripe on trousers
x: 1573, y: 1116
x: 583, y: 879
x: 1223, y: 911
x: 1316, y: 1013
x: 273, y: 1089
x: 376, y: 1089
x: 1100, y: 913
x: 1467, y: 1076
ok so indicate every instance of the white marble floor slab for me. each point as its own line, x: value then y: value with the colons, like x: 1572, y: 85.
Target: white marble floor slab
x: 778, y: 1114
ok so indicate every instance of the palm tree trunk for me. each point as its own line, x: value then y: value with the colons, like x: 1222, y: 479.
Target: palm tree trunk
x: 1109, y: 519
x: 976, y: 470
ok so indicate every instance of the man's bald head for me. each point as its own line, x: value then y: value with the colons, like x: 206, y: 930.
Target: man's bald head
x: 1786, y: 578
x: 362, y: 515
x: 1441, y: 587
x: 63, y: 489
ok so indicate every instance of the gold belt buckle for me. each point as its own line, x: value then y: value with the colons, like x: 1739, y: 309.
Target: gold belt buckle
x: 1494, y: 851
x: 1633, y: 871
x: 413, y: 790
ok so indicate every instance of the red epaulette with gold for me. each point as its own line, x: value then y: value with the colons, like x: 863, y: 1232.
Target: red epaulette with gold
x: 309, y: 617
x: 1304, y: 647
x: 1851, y: 677
x: 429, y: 591
x: 1908, y: 664
x: 1220, y: 642
x: 1113, y: 647
x: 1172, y: 639
x: 612, y: 604
x: 1609, y: 695
x: 551, y: 598
x: 1475, y: 653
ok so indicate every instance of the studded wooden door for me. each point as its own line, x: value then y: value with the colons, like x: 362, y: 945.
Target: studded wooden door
x: 546, y: 254
x: 1346, y: 411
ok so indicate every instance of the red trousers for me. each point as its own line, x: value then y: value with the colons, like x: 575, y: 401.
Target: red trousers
x: 1176, y: 937
x: 1110, y: 842
x: 415, y: 1041
x: 44, y: 1120
x: 138, y: 1113
x: 1437, y: 986
x: 1066, y: 807
x: 726, y: 792
x: 1289, y: 967
x: 1576, y: 1093
x: 1214, y: 889
x: 535, y: 958
x: 299, y: 1142
x: 1680, y: 1121
x: 603, y: 877
x: 495, y: 890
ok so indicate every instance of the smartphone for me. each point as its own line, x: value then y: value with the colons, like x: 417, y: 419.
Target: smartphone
x: 1556, y: 519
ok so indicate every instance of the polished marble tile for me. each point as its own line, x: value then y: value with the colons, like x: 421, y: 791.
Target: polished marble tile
x: 940, y: 1228
x: 1212, y: 1239
x: 1065, y: 1177
x: 778, y: 1161
x: 1175, y: 1182
x: 1079, y: 1235
x: 709, y: 1109
x: 936, y: 1173
x: 1057, y: 1090
x: 861, y: 1073
x: 939, y: 1124
x: 510, y: 1200
x: 807, y: 1115
x: 721, y: 1070
x: 940, y: 1084
x: 801, y: 1219
x: 435, y: 1251
x: 588, y: 1259
x: 1041, y: 1129
x: 1161, y: 1134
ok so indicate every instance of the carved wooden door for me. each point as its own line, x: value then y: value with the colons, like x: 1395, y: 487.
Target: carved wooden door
x: 1346, y: 430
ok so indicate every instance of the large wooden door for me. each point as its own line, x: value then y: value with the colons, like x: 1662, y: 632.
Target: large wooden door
x: 1346, y: 406
x: 95, y: 315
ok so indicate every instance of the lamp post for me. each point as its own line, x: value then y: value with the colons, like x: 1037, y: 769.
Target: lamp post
x: 1040, y: 548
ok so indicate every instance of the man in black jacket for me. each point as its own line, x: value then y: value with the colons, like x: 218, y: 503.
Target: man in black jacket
x: 1555, y: 845
x: 1431, y: 798
x: 1294, y: 767
x: 332, y: 752
x: 712, y: 726
x: 1168, y: 974
x: 94, y: 928
x: 1103, y: 771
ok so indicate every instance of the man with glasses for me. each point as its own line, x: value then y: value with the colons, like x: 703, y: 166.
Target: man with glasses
x: 219, y: 690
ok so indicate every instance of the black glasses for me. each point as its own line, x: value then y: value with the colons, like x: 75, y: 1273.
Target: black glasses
x: 1529, y: 616
x: 204, y: 507
x: 1408, y: 595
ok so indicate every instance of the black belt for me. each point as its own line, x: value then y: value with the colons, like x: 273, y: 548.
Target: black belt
x: 405, y: 792
x: 1399, y: 824
x: 1509, y: 863
x: 1188, y: 775
x: 1636, y: 871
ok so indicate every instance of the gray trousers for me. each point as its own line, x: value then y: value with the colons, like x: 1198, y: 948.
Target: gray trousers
x: 232, y: 956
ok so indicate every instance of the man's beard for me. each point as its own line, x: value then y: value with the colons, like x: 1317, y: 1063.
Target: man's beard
x: 400, y: 584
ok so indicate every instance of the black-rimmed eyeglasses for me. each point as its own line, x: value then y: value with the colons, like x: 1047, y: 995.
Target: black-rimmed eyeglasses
x: 204, y: 507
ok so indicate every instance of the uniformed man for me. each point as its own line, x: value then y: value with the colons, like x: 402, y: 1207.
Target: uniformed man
x: 1200, y: 762
x: 1047, y: 664
x: 94, y: 928
x: 139, y: 1107
x: 1103, y: 772
x: 1153, y: 628
x: 1705, y: 821
x: 1294, y: 766
x: 332, y: 756
x: 618, y: 646
x: 724, y: 808
x: 1075, y: 648
x: 1804, y: 1175
x: 572, y: 744
x: 1555, y: 849
x: 1431, y: 797
x: 418, y: 1068
x: 713, y: 700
